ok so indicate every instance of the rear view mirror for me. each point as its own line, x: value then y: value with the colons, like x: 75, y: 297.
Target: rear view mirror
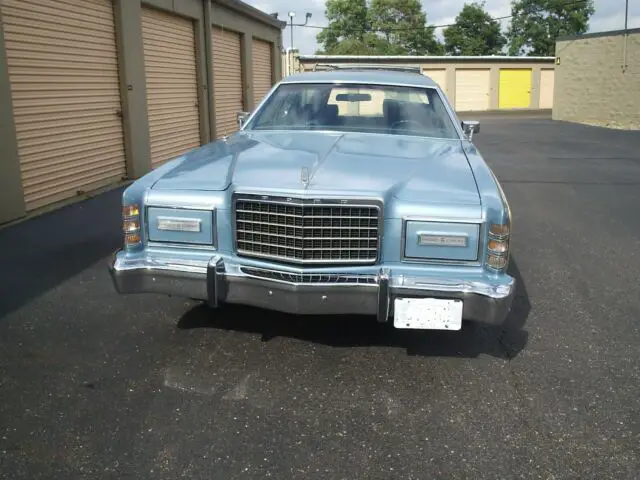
x: 242, y: 117
x: 469, y: 127
x: 353, y: 97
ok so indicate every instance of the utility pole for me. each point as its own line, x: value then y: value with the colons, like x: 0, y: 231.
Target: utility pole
x: 626, y: 36
x: 626, y: 16
x: 291, y: 15
x: 291, y: 25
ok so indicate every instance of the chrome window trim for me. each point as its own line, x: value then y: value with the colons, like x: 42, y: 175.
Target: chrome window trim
x: 393, y: 135
x: 302, y: 200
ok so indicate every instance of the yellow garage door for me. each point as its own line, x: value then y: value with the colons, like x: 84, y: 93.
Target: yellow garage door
x: 227, y: 80
x: 172, y: 89
x: 546, y: 88
x: 437, y: 75
x: 262, y: 69
x: 472, y: 89
x: 63, y: 71
x: 515, y: 88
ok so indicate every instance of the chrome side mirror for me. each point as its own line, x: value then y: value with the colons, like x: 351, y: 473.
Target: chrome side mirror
x: 470, y: 127
x: 242, y: 117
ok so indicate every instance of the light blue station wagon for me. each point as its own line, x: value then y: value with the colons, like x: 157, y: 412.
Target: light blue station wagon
x: 344, y: 192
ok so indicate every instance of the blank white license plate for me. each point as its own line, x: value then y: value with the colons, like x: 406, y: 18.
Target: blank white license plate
x: 427, y: 314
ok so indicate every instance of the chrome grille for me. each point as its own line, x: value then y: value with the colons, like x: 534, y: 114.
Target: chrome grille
x: 301, y: 231
x: 307, y: 278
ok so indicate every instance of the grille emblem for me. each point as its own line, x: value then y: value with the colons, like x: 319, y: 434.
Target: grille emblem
x: 304, y: 176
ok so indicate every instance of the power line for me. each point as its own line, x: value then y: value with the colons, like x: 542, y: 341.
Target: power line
x: 408, y: 29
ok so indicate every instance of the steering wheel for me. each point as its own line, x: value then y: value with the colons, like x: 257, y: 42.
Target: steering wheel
x: 407, y: 122
x: 312, y: 122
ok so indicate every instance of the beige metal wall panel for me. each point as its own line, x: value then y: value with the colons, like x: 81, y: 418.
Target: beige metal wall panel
x: 172, y: 90
x: 227, y: 79
x: 63, y: 70
x: 546, y: 88
x: 472, y: 89
x: 262, y: 69
x: 437, y: 75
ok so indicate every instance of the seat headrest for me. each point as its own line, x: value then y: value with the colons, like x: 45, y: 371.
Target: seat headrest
x: 390, y: 104
x: 331, y: 110
x: 391, y: 109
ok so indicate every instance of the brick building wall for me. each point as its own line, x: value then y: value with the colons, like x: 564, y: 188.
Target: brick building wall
x: 597, y: 79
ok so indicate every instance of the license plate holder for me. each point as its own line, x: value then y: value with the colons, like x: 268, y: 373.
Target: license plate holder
x: 427, y: 313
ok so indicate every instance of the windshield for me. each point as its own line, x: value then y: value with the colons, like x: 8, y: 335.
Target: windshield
x: 356, y: 108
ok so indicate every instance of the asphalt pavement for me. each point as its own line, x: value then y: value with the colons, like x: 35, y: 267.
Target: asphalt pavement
x: 101, y: 386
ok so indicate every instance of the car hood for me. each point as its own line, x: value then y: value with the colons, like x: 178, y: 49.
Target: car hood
x: 409, y: 168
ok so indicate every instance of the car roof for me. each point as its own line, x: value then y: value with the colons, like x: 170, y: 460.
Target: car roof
x: 362, y: 76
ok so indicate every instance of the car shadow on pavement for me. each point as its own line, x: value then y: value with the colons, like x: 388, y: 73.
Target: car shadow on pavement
x: 350, y: 331
x: 40, y: 253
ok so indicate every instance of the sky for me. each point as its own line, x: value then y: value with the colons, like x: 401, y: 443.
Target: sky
x: 609, y: 15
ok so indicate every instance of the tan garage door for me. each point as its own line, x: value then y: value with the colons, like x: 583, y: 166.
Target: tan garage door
x: 227, y: 80
x: 472, y: 89
x: 437, y: 75
x: 262, y: 69
x: 546, y: 88
x: 66, y: 100
x: 172, y: 90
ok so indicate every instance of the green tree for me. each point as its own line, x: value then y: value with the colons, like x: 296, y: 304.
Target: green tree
x: 347, y: 22
x: 537, y: 23
x: 474, y: 33
x: 370, y: 44
x: 402, y: 23
x: 386, y: 27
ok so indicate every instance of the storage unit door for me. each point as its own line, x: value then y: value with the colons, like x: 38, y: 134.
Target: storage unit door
x: 172, y: 89
x: 515, y: 88
x: 227, y: 80
x: 437, y: 75
x: 472, y: 89
x: 546, y: 87
x: 63, y: 70
x: 262, y: 69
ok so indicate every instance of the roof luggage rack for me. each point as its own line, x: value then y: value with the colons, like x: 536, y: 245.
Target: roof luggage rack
x: 358, y: 66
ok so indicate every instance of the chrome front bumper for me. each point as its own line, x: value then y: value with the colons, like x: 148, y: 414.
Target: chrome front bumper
x: 221, y: 280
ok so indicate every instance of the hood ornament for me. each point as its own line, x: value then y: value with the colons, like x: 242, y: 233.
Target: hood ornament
x: 304, y: 177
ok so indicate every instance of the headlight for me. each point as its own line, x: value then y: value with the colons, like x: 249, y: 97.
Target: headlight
x: 441, y: 241
x: 498, y: 246
x: 181, y: 226
x: 131, y: 226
